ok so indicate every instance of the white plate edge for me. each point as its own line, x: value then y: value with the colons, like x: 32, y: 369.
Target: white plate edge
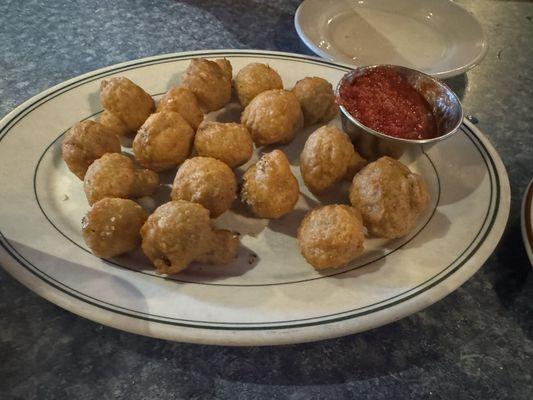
x: 523, y: 222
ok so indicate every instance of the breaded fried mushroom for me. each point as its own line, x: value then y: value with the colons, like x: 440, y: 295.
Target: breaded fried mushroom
x: 317, y: 100
x: 163, y: 142
x: 208, y: 82
x: 389, y: 196
x: 184, y: 102
x: 228, y: 142
x: 85, y: 142
x: 113, y: 122
x: 115, y: 175
x: 356, y: 164
x: 112, y: 227
x: 325, y: 159
x: 179, y: 232
x: 331, y: 236
x: 126, y: 105
x: 225, y: 66
x: 269, y: 188
x: 253, y: 79
x: 207, y: 181
x: 273, y: 116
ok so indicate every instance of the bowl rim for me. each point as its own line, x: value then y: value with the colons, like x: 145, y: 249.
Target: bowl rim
x: 381, y: 135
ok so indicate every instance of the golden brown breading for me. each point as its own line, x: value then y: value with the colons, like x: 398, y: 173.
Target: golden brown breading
x: 112, y: 227
x: 126, y: 105
x: 163, y: 142
x: 331, y: 236
x: 85, y: 142
x: 184, y: 102
x: 223, y: 249
x: 226, y: 67
x: 273, y: 116
x: 253, y: 79
x: 324, y: 161
x: 207, y: 181
x: 389, y: 196
x: 113, y: 122
x: 269, y: 188
x: 356, y: 164
x: 178, y: 233
x: 208, y: 82
x: 317, y: 100
x: 227, y: 142
x: 115, y: 175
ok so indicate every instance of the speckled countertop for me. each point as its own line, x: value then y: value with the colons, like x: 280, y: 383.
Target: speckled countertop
x: 476, y: 343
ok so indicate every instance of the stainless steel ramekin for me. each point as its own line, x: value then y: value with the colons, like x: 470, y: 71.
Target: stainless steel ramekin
x: 372, y: 144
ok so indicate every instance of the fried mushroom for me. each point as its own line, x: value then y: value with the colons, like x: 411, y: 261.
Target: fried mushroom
x: 207, y: 181
x: 356, y: 164
x: 163, y: 142
x: 85, y: 142
x: 389, y: 196
x: 253, y: 79
x: 179, y: 232
x: 184, y: 102
x: 269, y: 188
x: 331, y: 236
x: 208, y: 82
x: 228, y: 142
x: 226, y: 67
x: 273, y: 116
x: 112, y: 227
x: 325, y: 159
x: 317, y: 100
x: 115, y: 175
x: 126, y: 105
x: 113, y: 122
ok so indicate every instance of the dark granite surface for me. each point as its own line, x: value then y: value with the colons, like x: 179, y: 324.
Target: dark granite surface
x: 476, y: 343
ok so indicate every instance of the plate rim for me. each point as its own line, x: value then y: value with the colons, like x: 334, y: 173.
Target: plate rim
x: 268, y: 336
x: 440, y: 75
x: 525, y: 220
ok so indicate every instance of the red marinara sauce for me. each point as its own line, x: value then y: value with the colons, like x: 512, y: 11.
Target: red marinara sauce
x: 384, y: 101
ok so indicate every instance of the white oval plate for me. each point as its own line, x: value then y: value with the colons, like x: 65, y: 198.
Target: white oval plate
x: 437, y: 37
x: 273, y: 298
